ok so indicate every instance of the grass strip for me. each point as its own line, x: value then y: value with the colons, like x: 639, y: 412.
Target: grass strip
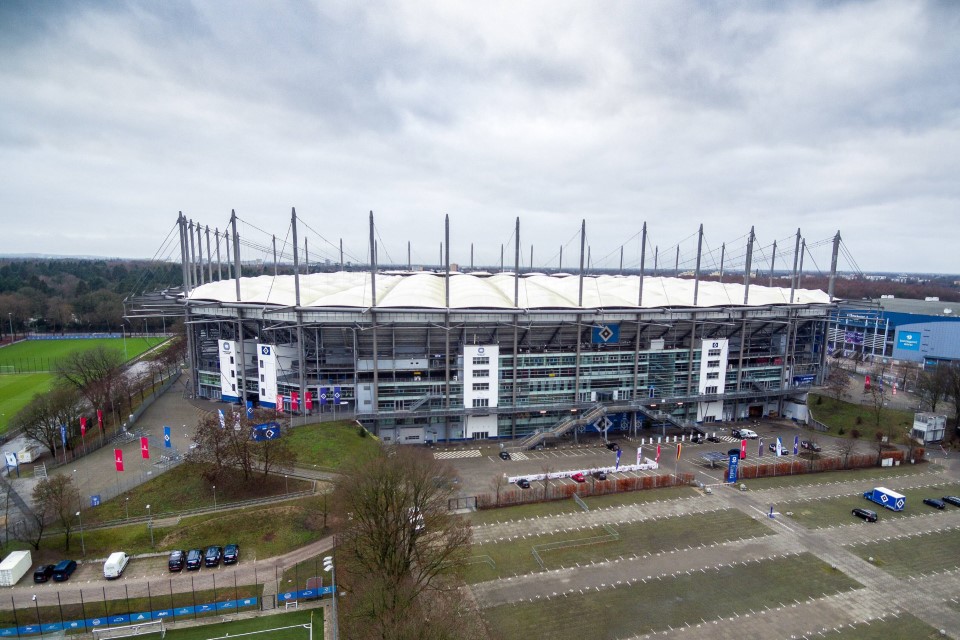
x: 267, y: 626
x: 923, y: 553
x: 836, y: 511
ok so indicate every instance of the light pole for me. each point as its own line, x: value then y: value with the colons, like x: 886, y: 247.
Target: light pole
x: 329, y: 568
x: 126, y: 506
x: 150, y: 525
x: 286, y: 485
x: 214, y: 497
x: 82, y: 545
x: 12, y: 336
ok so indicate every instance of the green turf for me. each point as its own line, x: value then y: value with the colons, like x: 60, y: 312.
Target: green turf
x: 902, y: 626
x: 852, y: 475
x: 913, y: 555
x: 657, y: 604
x: 836, y: 511
x: 17, y: 390
x: 328, y: 445
x: 41, y: 355
x: 559, y: 507
x: 844, y: 415
x: 262, y: 623
x: 515, y: 557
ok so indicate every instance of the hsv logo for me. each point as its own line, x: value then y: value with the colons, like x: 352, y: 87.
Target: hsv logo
x: 605, y: 333
x: 265, y: 350
x: 226, y: 347
x: 480, y: 350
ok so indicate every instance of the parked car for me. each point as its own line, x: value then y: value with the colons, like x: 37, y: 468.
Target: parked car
x: 935, y: 503
x: 696, y: 438
x: 194, y: 559
x: 63, y: 570
x: 600, y: 475
x: 954, y: 500
x: 745, y: 433
x: 212, y: 556
x: 231, y: 552
x: 613, y: 446
x: 866, y: 514
x: 810, y: 444
x: 177, y: 560
x: 523, y: 483
x: 713, y: 438
x: 504, y: 455
x: 578, y: 477
x: 43, y: 573
x: 784, y: 451
x: 115, y: 564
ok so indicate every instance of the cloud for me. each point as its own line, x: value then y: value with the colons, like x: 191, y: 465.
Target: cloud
x: 818, y: 116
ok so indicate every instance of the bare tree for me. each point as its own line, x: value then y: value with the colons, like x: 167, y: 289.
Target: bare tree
x: 399, y: 547
x: 878, y: 395
x: 234, y: 444
x: 498, y: 482
x: 42, y: 418
x: 836, y: 382
x: 846, y: 447
x: 57, y: 496
x: 934, y: 385
x: 94, y: 373
x: 546, y: 469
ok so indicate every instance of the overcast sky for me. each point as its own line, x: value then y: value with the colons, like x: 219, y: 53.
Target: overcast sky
x: 820, y: 116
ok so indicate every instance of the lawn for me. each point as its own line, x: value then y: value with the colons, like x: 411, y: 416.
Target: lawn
x: 570, y: 548
x: 671, y: 602
x: 842, y: 418
x: 913, y: 555
x: 42, y: 355
x: 560, y: 507
x: 902, y: 626
x: 328, y: 445
x: 852, y: 475
x: 836, y: 511
x: 16, y: 390
x: 260, y: 623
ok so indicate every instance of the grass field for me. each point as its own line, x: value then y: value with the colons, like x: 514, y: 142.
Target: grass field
x: 913, y: 555
x: 328, y: 445
x: 853, y: 475
x: 17, y: 390
x: 836, y: 511
x: 844, y: 415
x: 515, y: 557
x: 902, y: 626
x: 657, y: 604
x: 252, y: 625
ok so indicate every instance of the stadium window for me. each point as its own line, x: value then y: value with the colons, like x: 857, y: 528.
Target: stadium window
x: 713, y: 363
x: 713, y: 353
x: 481, y: 373
x: 231, y: 359
x: 481, y: 361
x: 261, y: 364
x: 261, y: 378
x: 481, y: 402
x: 713, y: 375
x: 481, y: 386
x: 710, y: 390
x: 231, y: 373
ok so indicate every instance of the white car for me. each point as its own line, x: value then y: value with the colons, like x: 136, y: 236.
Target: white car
x: 745, y: 433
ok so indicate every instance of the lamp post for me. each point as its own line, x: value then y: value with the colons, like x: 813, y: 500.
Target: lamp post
x: 126, y: 506
x: 329, y: 568
x: 150, y: 525
x: 286, y: 485
x: 83, y: 546
x: 214, y: 497
x: 12, y: 336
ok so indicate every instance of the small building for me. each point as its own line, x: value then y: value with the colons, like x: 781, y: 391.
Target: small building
x: 928, y: 427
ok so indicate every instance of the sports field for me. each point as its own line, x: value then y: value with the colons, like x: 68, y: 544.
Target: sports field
x: 269, y: 628
x: 26, y: 368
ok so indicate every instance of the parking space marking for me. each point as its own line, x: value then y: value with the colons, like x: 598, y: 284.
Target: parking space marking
x: 450, y: 455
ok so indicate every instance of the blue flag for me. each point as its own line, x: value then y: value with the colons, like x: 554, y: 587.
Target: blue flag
x: 166, y: 437
x: 760, y: 452
x: 223, y: 418
x: 619, y: 451
x: 249, y: 408
x: 796, y: 444
x: 336, y: 395
x: 323, y: 395
x: 63, y: 435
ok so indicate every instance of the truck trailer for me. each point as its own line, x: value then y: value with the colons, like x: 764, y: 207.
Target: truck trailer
x: 13, y: 567
x: 886, y: 498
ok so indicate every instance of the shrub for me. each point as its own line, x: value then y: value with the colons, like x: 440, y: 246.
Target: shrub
x: 361, y: 432
x: 855, y: 434
x: 841, y: 431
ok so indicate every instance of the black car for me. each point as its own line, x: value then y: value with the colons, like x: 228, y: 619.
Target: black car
x: 177, y: 560
x: 43, y: 573
x: 212, y: 556
x: 504, y: 455
x: 613, y: 446
x: 866, y: 514
x: 696, y: 438
x: 713, y: 438
x: 194, y: 559
x: 933, y: 502
x: 63, y: 570
x: 523, y: 483
x: 231, y: 554
x: 810, y: 444
x: 600, y: 475
x: 954, y: 500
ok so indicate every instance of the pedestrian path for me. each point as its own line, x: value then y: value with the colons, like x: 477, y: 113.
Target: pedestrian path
x: 450, y: 455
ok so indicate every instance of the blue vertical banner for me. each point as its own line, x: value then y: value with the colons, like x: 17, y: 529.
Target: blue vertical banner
x: 63, y: 435
x: 166, y: 437
x: 619, y: 451
x: 760, y: 451
x: 336, y: 395
x: 732, y: 467
x: 249, y: 408
x: 323, y: 395
x: 796, y: 444
x: 223, y: 418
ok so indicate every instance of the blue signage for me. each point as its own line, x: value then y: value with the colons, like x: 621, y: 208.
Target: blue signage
x: 266, y: 431
x: 908, y: 340
x: 166, y: 437
x: 605, y: 334
x: 804, y: 380
x: 732, y: 467
x: 95, y: 500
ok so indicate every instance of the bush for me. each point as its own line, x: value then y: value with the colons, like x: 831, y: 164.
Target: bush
x: 855, y: 434
x: 859, y: 419
x: 819, y: 400
x: 841, y: 431
x: 361, y: 432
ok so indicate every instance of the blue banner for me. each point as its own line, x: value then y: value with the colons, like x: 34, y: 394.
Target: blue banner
x: 63, y: 435
x: 266, y: 431
x: 166, y: 437
x: 909, y: 340
x: 732, y: 467
x: 796, y: 445
x: 605, y: 334
x: 323, y: 395
x: 336, y: 395
x: 249, y: 408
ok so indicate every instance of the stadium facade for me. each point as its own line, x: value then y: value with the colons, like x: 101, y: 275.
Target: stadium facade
x: 429, y: 356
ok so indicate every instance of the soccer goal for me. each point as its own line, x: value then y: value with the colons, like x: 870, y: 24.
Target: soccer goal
x: 131, y: 630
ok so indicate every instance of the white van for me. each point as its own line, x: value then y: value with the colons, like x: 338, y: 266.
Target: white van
x: 115, y: 564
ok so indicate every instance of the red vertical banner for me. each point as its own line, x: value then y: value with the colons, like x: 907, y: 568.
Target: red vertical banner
x: 83, y: 427
x: 118, y: 459
x: 279, y: 403
x: 100, y: 418
x: 294, y: 396
x: 743, y: 449
x: 144, y: 448
x: 308, y: 400
x: 657, y: 459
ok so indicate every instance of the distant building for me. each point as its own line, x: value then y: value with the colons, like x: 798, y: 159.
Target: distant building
x: 928, y: 427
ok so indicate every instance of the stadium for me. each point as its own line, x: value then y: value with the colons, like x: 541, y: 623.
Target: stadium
x: 443, y: 354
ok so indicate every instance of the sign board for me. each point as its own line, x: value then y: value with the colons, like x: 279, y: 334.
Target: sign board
x: 732, y: 467
x: 908, y: 340
x: 605, y: 334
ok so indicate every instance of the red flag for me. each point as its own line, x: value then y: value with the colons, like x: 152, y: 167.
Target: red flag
x: 83, y: 427
x: 308, y: 400
x: 100, y: 418
x: 144, y: 448
x: 743, y: 449
x: 279, y: 403
x: 679, y: 446
x: 293, y: 400
x: 118, y: 458
x: 657, y: 459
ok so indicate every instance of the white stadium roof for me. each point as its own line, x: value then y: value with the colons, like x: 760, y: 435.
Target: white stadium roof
x: 476, y: 291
